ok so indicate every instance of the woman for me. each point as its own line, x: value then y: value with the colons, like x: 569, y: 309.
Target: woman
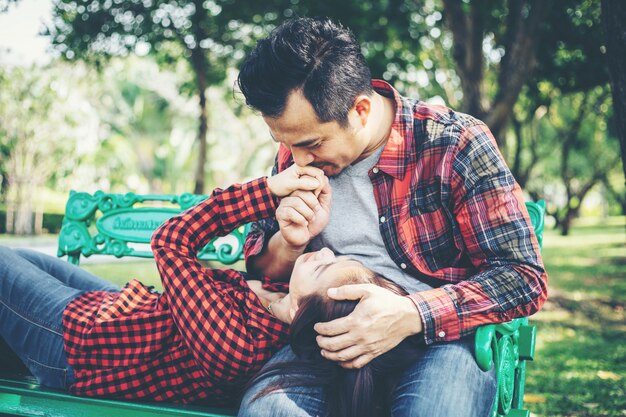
x: 199, y: 341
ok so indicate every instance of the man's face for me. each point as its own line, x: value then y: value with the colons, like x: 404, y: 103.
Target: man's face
x: 328, y: 146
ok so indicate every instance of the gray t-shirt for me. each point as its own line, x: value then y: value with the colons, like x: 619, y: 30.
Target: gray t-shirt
x: 353, y: 226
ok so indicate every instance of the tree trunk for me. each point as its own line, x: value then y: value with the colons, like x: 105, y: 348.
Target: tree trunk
x: 198, y: 62
x: 619, y: 197
x: 22, y: 217
x: 573, y: 211
x: 468, y: 31
x: 613, y: 18
x: 517, y: 160
x: 517, y: 64
x: 566, y: 223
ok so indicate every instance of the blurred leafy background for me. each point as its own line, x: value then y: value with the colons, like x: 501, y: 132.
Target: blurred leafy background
x: 137, y: 95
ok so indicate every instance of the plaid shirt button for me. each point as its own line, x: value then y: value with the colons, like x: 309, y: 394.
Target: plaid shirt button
x: 382, y: 219
x: 442, y: 334
x: 403, y: 265
x: 375, y: 170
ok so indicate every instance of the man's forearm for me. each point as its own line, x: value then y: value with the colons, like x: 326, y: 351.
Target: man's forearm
x: 277, y: 259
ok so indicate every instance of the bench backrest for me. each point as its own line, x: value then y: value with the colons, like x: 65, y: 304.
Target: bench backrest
x: 122, y: 225
x: 537, y: 212
x: 118, y: 224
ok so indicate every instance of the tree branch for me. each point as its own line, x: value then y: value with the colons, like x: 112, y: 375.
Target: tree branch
x: 467, y: 32
x: 518, y: 63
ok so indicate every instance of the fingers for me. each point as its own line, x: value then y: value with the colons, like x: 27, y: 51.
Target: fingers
x: 300, y: 206
x: 359, y: 362
x: 345, y: 355
x: 295, y: 178
x: 351, y: 291
x: 336, y: 343
x: 325, y: 193
x: 308, y: 198
x: 335, y: 327
x: 306, y: 182
x: 311, y: 171
x: 290, y: 215
x: 346, y: 350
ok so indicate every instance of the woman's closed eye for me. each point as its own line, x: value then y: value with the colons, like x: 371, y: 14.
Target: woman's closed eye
x: 319, y: 269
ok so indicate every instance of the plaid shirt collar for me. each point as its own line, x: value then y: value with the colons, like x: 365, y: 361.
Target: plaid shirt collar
x: 396, y: 155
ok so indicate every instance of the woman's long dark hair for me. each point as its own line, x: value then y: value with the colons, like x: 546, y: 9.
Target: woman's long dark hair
x: 363, y: 392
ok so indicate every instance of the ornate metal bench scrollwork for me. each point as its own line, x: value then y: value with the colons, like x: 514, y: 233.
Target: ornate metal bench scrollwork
x: 120, y: 224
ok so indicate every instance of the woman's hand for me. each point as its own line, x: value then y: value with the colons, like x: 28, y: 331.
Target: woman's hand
x: 294, y: 178
x: 303, y: 215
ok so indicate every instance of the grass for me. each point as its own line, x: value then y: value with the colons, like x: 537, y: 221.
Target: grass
x: 122, y: 272
x: 580, y: 363
x: 143, y: 270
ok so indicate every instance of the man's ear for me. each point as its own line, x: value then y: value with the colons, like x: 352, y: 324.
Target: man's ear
x: 362, y: 107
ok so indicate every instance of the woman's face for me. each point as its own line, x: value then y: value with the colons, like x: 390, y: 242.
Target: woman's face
x: 315, y: 272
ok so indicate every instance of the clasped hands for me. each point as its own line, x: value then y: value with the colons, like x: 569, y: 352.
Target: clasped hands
x: 382, y: 319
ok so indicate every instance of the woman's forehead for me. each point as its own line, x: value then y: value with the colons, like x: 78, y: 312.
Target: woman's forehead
x: 343, y: 266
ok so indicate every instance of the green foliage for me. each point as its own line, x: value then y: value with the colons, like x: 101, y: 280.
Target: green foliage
x: 39, y: 135
x: 207, y: 34
x: 140, y: 119
x: 583, y: 150
x: 572, y: 56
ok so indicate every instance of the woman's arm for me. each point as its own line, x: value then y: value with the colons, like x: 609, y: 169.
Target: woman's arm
x: 218, y: 316
x: 222, y: 322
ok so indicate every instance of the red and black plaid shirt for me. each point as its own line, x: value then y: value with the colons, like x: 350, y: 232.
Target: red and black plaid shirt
x: 201, y: 340
x: 450, y: 214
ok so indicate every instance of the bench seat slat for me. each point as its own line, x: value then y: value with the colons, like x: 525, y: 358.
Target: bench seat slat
x: 24, y: 398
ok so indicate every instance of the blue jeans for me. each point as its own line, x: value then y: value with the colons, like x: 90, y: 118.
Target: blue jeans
x: 34, y: 290
x: 444, y: 382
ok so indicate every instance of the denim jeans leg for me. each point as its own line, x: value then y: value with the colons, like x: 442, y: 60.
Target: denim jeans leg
x: 68, y: 274
x: 289, y: 402
x: 445, y: 382
x: 31, y: 308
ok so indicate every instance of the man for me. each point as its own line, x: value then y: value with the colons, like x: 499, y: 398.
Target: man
x: 420, y: 194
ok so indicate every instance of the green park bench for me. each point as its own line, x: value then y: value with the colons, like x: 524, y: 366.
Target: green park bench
x: 121, y: 225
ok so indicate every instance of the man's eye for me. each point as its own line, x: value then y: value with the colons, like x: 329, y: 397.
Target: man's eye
x: 315, y: 146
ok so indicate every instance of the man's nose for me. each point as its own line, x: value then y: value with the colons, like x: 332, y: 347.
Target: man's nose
x: 302, y: 157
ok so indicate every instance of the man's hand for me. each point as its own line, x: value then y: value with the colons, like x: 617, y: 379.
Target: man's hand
x: 303, y: 215
x: 296, y: 178
x: 379, y: 323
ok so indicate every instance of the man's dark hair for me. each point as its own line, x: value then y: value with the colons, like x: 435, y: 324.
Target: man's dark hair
x: 320, y: 57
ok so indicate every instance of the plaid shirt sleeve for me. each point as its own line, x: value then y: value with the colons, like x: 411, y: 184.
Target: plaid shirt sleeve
x: 260, y: 231
x: 215, y: 311
x: 497, y: 232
